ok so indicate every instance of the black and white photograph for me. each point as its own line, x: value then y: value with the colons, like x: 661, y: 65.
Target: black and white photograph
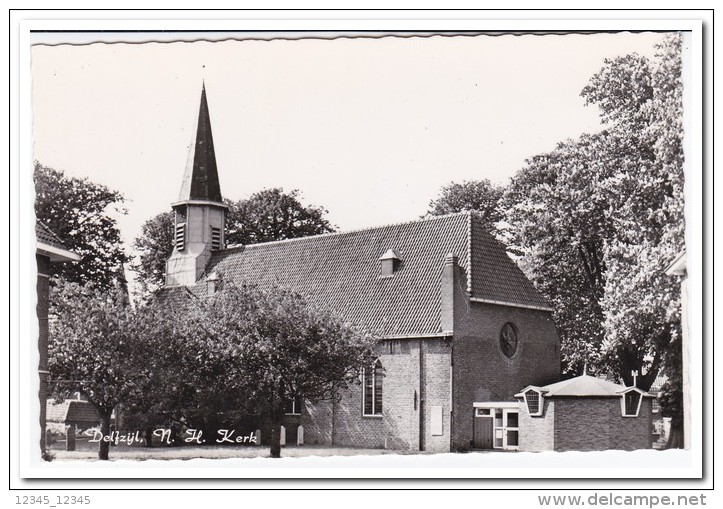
x: 350, y: 248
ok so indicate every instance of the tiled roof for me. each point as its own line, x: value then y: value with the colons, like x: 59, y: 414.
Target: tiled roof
x: 46, y: 236
x: 178, y: 296
x: 72, y: 411
x: 583, y: 385
x: 494, y: 275
x: 341, y: 271
x: 658, y: 383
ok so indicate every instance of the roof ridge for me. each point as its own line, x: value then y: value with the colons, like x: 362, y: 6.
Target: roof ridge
x: 348, y: 232
x: 49, y: 231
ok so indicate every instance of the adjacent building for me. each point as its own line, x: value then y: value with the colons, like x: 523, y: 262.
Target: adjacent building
x: 49, y: 249
x: 584, y: 413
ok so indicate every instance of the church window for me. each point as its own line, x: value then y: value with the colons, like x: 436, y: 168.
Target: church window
x: 372, y: 390
x: 293, y: 406
x: 508, y: 339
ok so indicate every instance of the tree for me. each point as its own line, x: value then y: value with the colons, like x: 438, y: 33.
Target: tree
x: 599, y: 218
x: 97, y: 345
x: 272, y: 214
x: 153, y: 247
x: 268, y: 215
x: 274, y: 346
x: 478, y: 195
x: 556, y: 221
x: 81, y: 213
x: 191, y: 380
x: 642, y: 304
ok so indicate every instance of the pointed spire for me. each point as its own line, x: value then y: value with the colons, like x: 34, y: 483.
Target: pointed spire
x: 200, y: 181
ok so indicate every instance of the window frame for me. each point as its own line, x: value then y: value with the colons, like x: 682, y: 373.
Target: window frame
x: 294, y: 409
x: 503, y: 428
x: 376, y: 399
x: 540, y: 402
x: 623, y: 403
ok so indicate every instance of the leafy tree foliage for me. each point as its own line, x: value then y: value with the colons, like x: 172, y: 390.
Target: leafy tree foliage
x: 96, y: 343
x: 478, y: 195
x: 241, y: 352
x: 642, y: 303
x: 81, y: 213
x: 153, y: 247
x: 599, y: 219
x: 558, y: 224
x: 268, y: 215
x: 272, y: 214
x: 272, y: 346
x: 191, y: 378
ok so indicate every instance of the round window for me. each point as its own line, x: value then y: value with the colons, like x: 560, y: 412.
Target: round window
x: 508, y: 339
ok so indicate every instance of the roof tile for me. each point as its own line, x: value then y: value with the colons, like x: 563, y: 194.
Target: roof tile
x: 341, y: 271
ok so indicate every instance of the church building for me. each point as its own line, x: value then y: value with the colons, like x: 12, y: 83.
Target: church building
x: 463, y: 329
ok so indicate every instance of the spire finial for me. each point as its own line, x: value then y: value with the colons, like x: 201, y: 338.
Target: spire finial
x: 584, y: 369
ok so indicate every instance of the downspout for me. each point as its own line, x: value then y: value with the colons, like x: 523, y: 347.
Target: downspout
x: 421, y: 396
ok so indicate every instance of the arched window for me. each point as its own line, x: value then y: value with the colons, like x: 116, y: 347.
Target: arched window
x: 372, y: 389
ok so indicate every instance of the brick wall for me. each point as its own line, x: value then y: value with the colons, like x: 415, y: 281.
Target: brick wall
x: 437, y: 389
x: 41, y: 309
x: 537, y: 433
x: 341, y: 422
x: 454, y: 374
x: 482, y: 372
x: 597, y: 424
x: 317, y: 418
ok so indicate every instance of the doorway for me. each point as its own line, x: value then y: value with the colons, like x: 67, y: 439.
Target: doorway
x: 483, y: 424
x: 496, y: 426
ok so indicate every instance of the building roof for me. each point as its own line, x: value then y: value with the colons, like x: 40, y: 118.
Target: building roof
x: 200, y: 180
x: 44, y: 235
x: 341, y: 271
x: 50, y: 245
x: 582, y: 386
x: 72, y: 411
x: 678, y: 267
x: 658, y: 383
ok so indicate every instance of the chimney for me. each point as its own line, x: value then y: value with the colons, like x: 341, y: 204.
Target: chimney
x: 449, y: 288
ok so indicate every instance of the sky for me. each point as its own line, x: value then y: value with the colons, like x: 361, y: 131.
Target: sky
x: 368, y: 128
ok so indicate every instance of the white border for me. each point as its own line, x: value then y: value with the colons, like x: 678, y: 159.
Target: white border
x: 609, y: 464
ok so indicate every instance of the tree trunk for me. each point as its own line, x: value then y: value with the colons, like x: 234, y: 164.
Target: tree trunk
x: 675, y: 438
x: 105, y: 432
x: 275, y: 437
x: 149, y: 436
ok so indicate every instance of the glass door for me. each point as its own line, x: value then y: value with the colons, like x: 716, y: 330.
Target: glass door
x: 506, y: 428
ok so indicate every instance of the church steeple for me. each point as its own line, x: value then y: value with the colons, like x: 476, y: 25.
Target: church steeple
x: 199, y: 214
x: 200, y: 180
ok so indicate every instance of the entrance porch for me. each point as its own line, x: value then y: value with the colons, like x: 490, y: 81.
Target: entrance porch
x: 496, y: 425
